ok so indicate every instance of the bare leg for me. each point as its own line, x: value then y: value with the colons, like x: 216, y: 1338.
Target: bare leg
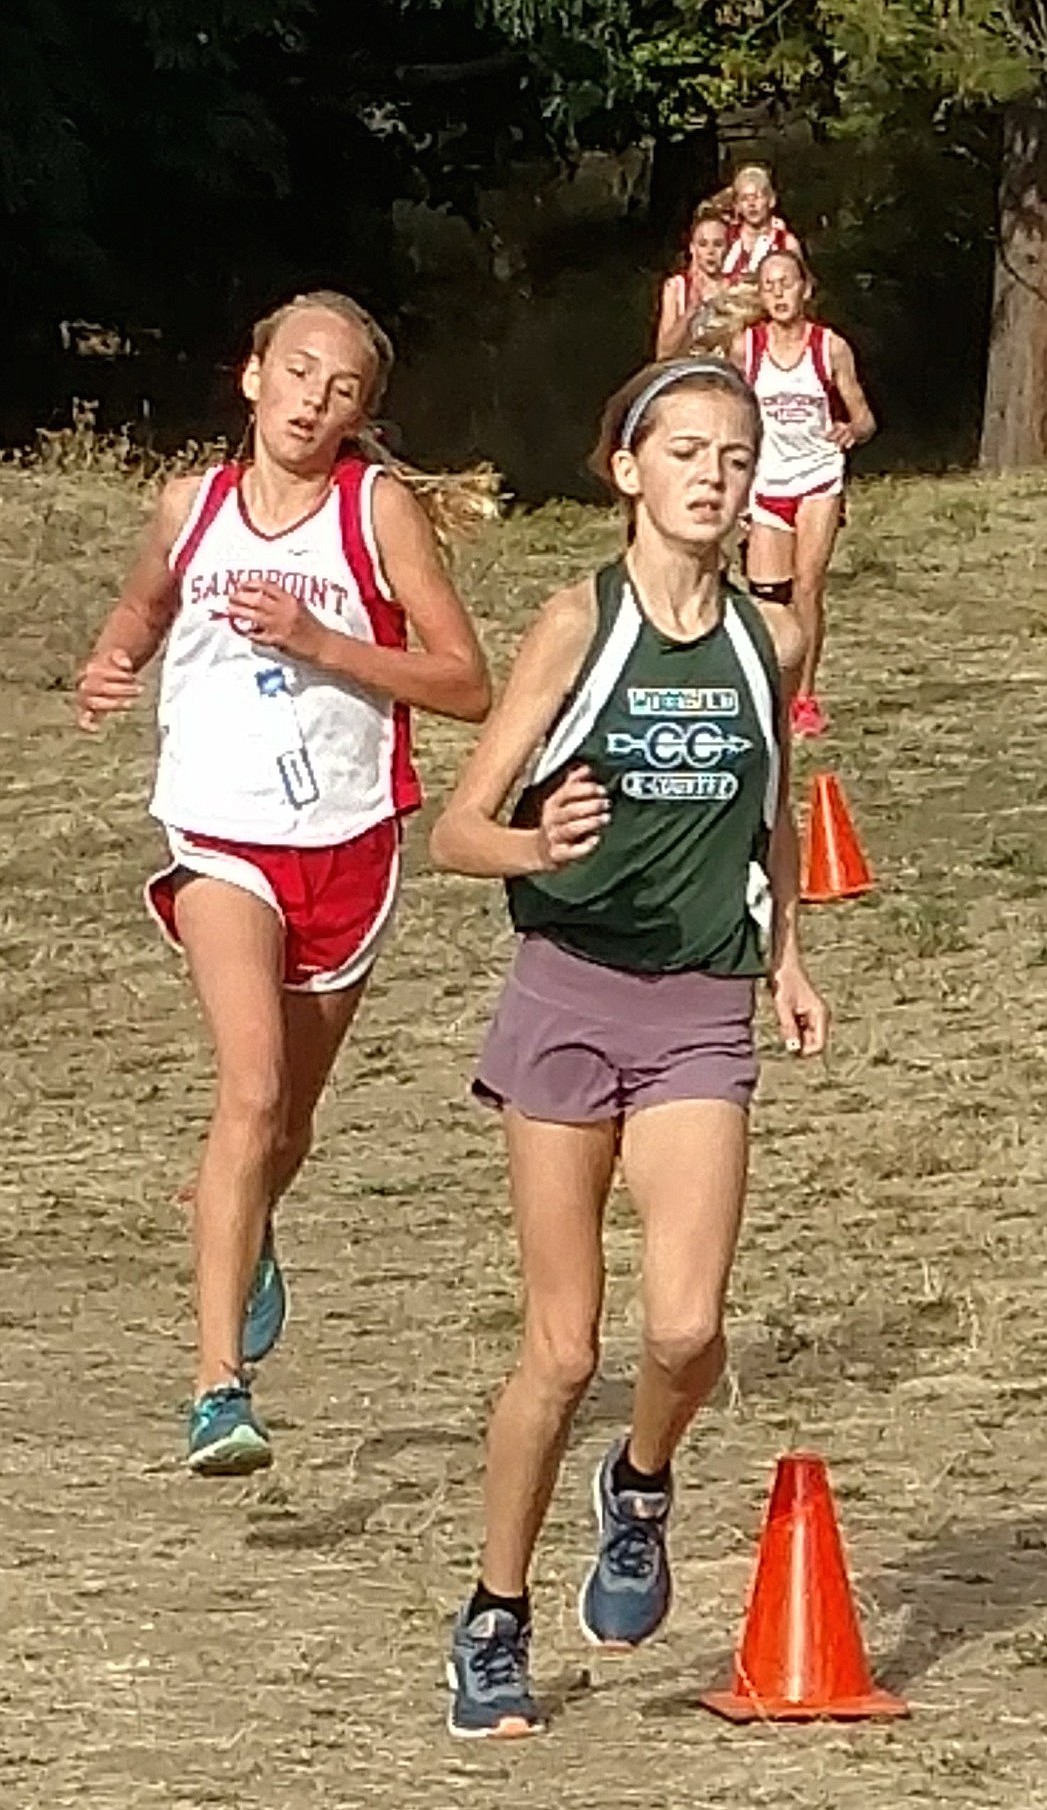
x: 770, y: 554
x: 315, y: 1026
x: 560, y: 1176
x: 685, y: 1166
x: 817, y: 524
x: 234, y: 945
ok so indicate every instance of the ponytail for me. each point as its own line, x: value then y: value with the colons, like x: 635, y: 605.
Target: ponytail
x: 458, y: 503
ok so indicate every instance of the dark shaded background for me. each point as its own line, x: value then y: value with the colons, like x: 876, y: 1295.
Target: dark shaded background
x: 168, y: 173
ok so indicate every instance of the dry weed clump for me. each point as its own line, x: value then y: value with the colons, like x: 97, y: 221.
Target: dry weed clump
x: 460, y: 504
x: 83, y: 447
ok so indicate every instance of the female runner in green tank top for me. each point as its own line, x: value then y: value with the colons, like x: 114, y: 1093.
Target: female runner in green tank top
x: 652, y: 873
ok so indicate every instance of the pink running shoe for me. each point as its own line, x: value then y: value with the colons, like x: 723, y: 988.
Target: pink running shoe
x: 808, y: 718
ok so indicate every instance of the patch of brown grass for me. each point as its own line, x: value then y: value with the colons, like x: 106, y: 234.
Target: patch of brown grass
x: 185, y: 1646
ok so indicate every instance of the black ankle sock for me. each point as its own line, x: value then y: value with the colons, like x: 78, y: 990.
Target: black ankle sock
x: 483, y: 1600
x: 625, y: 1476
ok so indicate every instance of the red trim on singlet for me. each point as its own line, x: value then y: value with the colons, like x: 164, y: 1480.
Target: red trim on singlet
x: 277, y: 533
x: 222, y: 481
x: 387, y: 619
x: 817, y: 341
x: 744, y: 266
x: 820, y: 353
x: 755, y: 350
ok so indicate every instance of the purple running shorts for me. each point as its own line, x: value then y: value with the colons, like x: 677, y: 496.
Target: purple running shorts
x: 573, y: 1042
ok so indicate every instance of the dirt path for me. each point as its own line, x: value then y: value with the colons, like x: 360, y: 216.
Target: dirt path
x: 280, y: 1644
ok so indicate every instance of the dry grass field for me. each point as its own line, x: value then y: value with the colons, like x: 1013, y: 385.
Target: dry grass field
x: 280, y: 1644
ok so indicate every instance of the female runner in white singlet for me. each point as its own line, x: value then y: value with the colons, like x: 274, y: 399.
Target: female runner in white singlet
x: 756, y: 230
x: 285, y: 586
x: 813, y: 411
x: 693, y: 285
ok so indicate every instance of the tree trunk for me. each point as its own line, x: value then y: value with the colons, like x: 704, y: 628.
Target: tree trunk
x: 1014, y: 423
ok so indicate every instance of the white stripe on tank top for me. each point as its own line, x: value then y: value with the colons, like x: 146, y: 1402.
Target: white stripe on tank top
x: 574, y: 726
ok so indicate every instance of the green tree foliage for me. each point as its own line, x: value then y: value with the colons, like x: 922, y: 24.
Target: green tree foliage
x: 128, y: 130
x: 894, y: 185
x: 150, y: 149
x: 141, y: 140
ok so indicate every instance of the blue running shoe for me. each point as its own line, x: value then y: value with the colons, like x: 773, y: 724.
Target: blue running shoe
x: 626, y: 1596
x: 487, y: 1672
x: 265, y: 1315
x: 226, y: 1438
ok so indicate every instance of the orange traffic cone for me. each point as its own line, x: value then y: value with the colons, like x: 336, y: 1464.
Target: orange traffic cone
x: 801, y: 1654
x: 833, y: 866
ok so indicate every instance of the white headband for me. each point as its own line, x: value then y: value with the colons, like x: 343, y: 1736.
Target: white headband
x: 678, y: 372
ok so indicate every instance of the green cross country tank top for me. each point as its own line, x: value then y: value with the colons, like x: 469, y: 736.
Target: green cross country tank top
x: 684, y: 737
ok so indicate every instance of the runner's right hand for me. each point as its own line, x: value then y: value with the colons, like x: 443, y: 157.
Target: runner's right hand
x: 107, y: 683
x: 574, y: 817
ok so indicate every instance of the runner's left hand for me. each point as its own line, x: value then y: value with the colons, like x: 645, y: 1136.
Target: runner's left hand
x: 272, y: 617
x: 841, y: 433
x: 573, y: 818
x: 803, y: 1016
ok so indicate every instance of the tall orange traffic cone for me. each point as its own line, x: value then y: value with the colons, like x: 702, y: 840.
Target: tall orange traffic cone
x: 833, y: 865
x: 801, y: 1654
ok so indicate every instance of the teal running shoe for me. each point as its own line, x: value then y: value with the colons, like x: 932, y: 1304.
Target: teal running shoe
x: 487, y: 1672
x: 627, y: 1594
x: 268, y: 1304
x: 226, y: 1438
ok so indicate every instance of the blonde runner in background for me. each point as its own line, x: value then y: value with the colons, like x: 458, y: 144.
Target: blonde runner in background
x: 696, y: 283
x: 755, y: 228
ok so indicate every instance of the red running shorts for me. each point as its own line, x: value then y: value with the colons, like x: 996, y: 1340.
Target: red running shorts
x: 335, y: 903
